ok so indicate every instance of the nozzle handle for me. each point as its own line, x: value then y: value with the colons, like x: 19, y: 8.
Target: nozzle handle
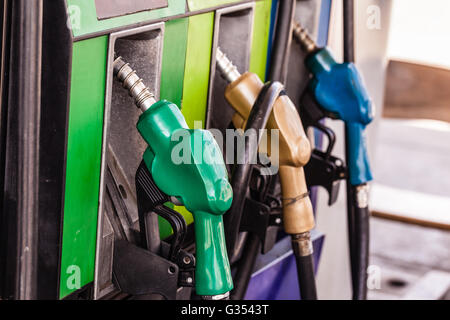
x: 357, y: 156
x: 213, y: 273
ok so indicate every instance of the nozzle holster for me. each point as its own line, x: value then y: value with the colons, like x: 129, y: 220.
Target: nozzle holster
x: 323, y: 169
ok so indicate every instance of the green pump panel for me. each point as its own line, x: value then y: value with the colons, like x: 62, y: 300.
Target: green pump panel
x: 174, y: 60
x: 260, y: 43
x: 183, y: 78
x: 196, y: 74
x: 84, y: 144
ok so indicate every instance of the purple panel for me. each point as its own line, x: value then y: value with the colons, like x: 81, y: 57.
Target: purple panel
x: 279, y: 281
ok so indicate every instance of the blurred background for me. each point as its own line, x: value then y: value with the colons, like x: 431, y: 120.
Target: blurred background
x: 403, y: 51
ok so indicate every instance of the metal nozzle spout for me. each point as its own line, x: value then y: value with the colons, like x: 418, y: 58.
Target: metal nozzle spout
x: 302, y: 36
x: 143, y: 98
x: 227, y: 69
x: 225, y: 296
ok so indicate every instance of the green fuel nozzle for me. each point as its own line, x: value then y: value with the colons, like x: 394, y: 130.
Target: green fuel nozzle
x: 186, y: 164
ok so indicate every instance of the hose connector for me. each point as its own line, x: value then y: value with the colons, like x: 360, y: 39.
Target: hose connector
x: 302, y: 37
x: 302, y: 244
x: 362, y: 196
x: 143, y: 97
x: 227, y: 69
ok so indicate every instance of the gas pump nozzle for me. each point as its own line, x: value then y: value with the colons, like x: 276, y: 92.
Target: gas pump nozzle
x: 199, y: 181
x: 295, y: 152
x: 339, y: 92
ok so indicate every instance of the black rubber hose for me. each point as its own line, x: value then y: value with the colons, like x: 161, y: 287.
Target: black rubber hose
x: 245, y: 267
x: 349, y: 31
x: 304, y: 259
x: 282, y: 41
x: 25, y: 97
x: 306, y: 277
x: 358, y: 218
x: 240, y: 179
x: 361, y: 253
x: 350, y: 222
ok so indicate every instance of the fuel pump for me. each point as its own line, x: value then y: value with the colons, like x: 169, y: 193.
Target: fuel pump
x: 295, y: 150
x: 336, y: 90
x: 198, y: 181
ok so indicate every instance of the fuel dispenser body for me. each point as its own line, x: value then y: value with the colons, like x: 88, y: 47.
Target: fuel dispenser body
x: 89, y: 199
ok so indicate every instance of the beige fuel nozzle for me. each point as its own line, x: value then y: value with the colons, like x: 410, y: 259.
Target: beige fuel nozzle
x: 294, y: 146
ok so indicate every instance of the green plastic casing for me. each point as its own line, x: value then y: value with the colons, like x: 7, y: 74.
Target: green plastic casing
x: 188, y: 164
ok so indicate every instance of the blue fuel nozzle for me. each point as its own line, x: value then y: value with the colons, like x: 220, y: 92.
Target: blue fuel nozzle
x: 339, y: 91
